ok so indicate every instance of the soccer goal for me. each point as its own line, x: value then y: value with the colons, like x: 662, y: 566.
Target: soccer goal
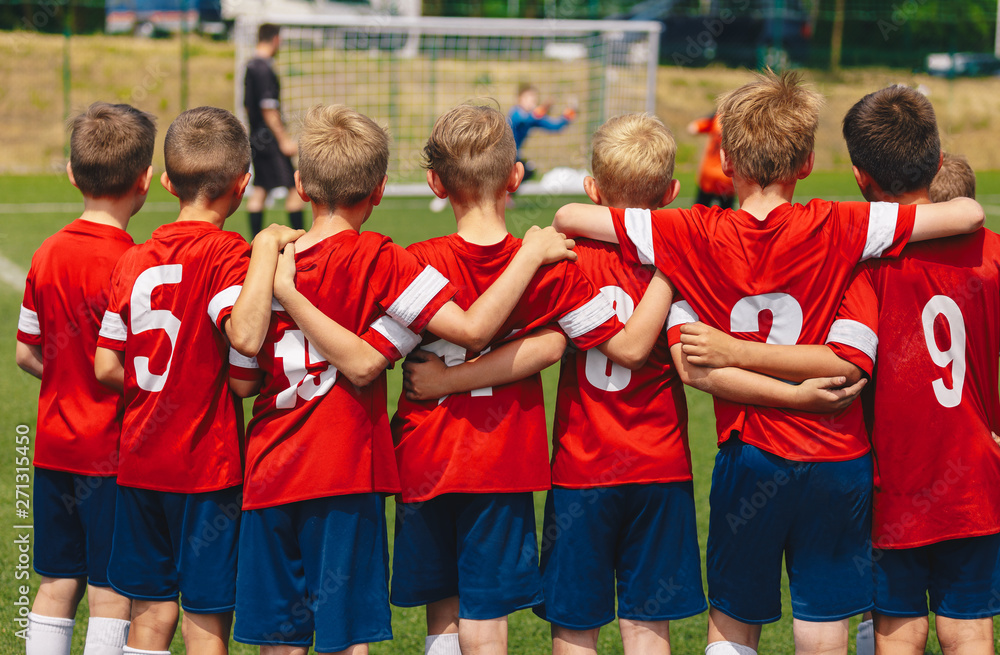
x: 404, y: 72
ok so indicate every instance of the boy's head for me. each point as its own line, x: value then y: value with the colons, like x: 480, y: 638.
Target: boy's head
x: 892, y: 138
x: 956, y: 179
x: 206, y: 152
x: 343, y: 156
x: 527, y: 96
x: 769, y: 128
x: 471, y: 151
x: 111, y: 147
x: 633, y: 163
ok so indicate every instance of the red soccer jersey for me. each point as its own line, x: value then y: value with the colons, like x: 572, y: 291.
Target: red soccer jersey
x: 778, y: 280
x: 169, y: 296
x: 937, y: 473
x: 67, y: 290
x: 615, y: 426
x: 313, y: 433
x: 492, y: 440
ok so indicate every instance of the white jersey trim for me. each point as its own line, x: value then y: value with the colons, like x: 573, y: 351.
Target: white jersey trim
x: 236, y: 359
x: 27, y: 321
x: 113, y: 327
x: 270, y: 103
x: 588, y: 317
x: 681, y: 313
x: 881, y: 228
x: 223, y: 300
x: 854, y: 334
x: 403, y: 339
x: 417, y: 295
x: 639, y: 228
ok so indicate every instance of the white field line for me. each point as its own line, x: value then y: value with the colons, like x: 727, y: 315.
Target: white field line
x: 11, y: 274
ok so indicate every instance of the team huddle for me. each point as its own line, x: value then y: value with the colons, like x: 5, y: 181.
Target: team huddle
x: 854, y: 376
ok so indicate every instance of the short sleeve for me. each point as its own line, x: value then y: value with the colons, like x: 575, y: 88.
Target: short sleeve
x: 409, y: 292
x: 680, y: 314
x: 586, y: 316
x: 227, y: 280
x: 29, y: 329
x: 114, y: 329
x: 242, y: 367
x: 878, y: 229
x: 854, y: 334
x: 653, y: 238
x: 265, y: 83
x: 390, y: 338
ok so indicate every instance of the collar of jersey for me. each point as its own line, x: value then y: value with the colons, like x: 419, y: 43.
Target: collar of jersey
x: 489, y: 251
x: 774, y: 217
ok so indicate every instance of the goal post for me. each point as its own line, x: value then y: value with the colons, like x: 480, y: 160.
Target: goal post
x: 406, y: 71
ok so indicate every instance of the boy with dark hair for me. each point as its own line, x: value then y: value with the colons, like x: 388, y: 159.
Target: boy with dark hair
x: 184, y: 304
x: 732, y: 267
x: 79, y: 420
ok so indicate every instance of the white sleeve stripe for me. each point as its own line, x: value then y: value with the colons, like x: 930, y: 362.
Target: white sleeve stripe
x: 113, y: 327
x: 27, y: 321
x: 639, y: 228
x: 269, y: 103
x: 417, y: 295
x: 404, y: 340
x: 854, y: 334
x: 223, y: 300
x: 881, y: 228
x: 681, y: 312
x: 236, y: 359
x: 589, y: 317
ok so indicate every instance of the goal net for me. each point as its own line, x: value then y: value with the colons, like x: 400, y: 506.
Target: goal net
x: 406, y: 71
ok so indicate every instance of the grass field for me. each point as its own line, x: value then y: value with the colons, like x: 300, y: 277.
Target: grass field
x: 22, y: 229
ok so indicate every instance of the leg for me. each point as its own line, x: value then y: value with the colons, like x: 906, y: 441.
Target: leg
x: 965, y: 637
x: 294, y: 205
x: 107, y: 629
x: 724, y: 628
x: 641, y: 637
x: 442, y: 628
x: 255, y: 206
x: 50, y: 622
x: 207, y: 634
x: 105, y: 602
x: 820, y: 637
x: 58, y: 597
x: 865, y: 640
x: 575, y: 642
x: 284, y: 650
x: 153, y: 624
x: 487, y: 637
x: 899, y: 635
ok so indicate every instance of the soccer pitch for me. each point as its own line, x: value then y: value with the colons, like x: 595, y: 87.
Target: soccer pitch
x: 32, y: 208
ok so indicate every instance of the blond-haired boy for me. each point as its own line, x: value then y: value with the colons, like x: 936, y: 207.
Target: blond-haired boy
x: 955, y: 179
x: 180, y: 303
x: 76, y: 454
x: 776, y: 469
x: 319, y: 452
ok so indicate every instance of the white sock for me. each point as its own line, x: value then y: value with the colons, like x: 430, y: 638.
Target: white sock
x: 138, y: 651
x: 866, y: 638
x: 442, y: 645
x: 48, y: 635
x: 105, y: 636
x: 728, y: 648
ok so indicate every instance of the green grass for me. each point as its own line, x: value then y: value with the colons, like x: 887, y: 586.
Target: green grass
x: 406, y: 220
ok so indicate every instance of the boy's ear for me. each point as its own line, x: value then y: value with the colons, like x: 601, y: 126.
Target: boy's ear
x: 592, y: 190
x: 144, y: 181
x: 434, y: 182
x: 727, y: 165
x: 670, y: 194
x: 299, y: 190
x: 241, y: 185
x: 376, y: 196
x: 165, y: 181
x: 515, y: 177
x: 69, y: 173
x: 870, y: 191
x: 807, y: 166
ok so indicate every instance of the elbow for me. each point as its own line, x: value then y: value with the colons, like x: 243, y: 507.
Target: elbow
x: 978, y: 218
x: 106, y: 376
x: 368, y: 372
x: 853, y: 374
x: 246, y: 345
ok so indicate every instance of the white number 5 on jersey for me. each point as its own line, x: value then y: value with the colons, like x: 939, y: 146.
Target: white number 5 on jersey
x: 144, y: 318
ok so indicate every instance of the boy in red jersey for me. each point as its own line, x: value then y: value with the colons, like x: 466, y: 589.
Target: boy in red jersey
x: 790, y: 264
x: 955, y: 179
x: 178, y: 303
x: 314, y: 525
x: 76, y: 452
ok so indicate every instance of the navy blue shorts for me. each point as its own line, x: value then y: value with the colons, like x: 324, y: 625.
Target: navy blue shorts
x: 815, y: 514
x: 74, y: 520
x: 479, y: 547
x: 316, y: 566
x: 961, y: 576
x: 644, y: 535
x: 168, y: 543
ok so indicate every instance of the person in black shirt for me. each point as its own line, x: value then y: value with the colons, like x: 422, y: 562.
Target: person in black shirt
x: 271, y: 146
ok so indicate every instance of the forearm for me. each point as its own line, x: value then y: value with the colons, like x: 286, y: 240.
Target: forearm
x: 29, y: 359
x: 247, y: 324
x: 943, y: 219
x: 581, y: 220
x: 507, y: 364
x: 272, y: 118
x: 109, y: 367
x: 245, y: 388
x: 631, y: 347
x: 346, y: 351
x: 794, y: 363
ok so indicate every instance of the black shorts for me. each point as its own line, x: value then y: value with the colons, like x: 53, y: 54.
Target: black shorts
x: 271, y: 168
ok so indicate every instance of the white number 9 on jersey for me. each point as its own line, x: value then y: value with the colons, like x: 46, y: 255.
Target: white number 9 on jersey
x: 599, y: 374
x: 955, y: 355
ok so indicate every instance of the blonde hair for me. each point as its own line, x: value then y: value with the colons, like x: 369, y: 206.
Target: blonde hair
x: 472, y: 150
x: 205, y: 151
x: 633, y: 160
x: 111, y: 146
x: 955, y: 179
x: 769, y: 126
x: 343, y: 155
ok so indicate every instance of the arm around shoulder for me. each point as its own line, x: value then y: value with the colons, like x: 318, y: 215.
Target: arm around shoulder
x: 944, y: 219
x: 29, y: 358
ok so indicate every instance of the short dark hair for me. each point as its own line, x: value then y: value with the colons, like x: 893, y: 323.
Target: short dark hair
x: 111, y: 146
x: 206, y: 149
x: 267, y: 32
x: 892, y: 136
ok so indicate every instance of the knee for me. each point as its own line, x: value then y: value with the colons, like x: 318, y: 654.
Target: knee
x: 59, y: 595
x: 579, y: 638
x: 107, y: 603
x: 206, y: 627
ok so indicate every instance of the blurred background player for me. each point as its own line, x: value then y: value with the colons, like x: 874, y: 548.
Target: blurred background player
x: 79, y: 420
x: 955, y: 179
x: 271, y: 147
x: 714, y: 186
